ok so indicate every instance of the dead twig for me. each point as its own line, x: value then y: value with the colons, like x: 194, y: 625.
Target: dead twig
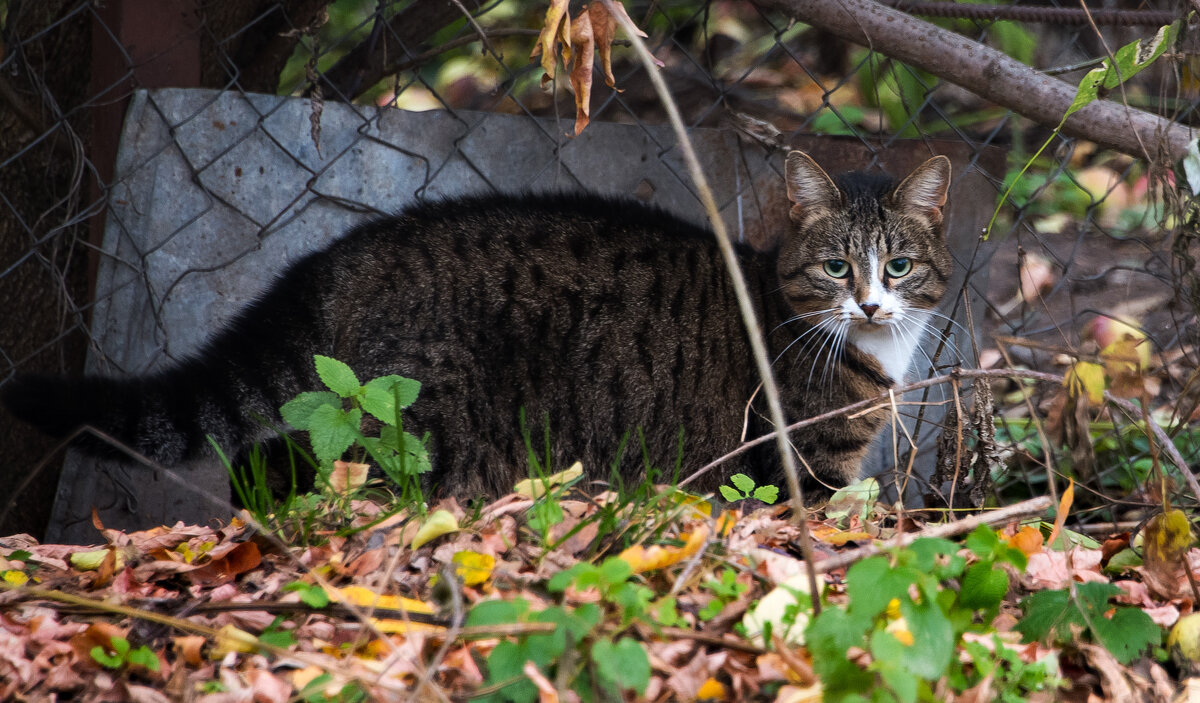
x: 1027, y: 508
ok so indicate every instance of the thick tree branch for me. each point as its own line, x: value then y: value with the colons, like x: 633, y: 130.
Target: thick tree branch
x: 989, y: 74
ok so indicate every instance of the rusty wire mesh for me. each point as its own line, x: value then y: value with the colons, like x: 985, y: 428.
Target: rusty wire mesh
x: 1090, y: 223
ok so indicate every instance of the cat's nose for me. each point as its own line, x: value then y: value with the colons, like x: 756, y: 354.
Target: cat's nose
x: 868, y: 309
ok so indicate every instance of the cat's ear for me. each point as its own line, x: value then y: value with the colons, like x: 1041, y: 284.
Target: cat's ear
x: 923, y: 193
x: 808, y: 186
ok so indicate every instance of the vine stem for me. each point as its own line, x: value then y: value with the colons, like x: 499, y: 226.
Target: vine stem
x: 753, y: 331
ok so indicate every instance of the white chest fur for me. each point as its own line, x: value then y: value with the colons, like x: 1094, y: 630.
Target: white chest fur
x: 894, y: 345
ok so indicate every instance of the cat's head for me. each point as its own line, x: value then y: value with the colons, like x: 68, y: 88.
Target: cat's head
x: 862, y: 251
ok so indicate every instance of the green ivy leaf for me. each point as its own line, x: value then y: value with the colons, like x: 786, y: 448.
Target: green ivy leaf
x: 298, y: 411
x: 623, y: 663
x: 337, y: 376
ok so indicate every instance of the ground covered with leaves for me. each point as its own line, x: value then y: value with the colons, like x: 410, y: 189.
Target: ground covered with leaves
x: 648, y: 595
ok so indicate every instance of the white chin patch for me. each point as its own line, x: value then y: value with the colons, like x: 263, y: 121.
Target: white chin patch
x: 892, y: 344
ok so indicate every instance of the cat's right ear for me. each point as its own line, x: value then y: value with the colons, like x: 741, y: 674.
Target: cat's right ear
x: 808, y: 186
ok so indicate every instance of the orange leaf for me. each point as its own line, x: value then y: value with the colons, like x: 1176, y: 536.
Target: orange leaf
x: 1064, y: 507
x: 1028, y: 539
x: 227, y: 563
x: 189, y: 647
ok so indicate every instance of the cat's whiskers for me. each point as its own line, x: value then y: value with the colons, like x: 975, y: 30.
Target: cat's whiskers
x: 816, y: 333
x: 801, y: 316
x: 833, y: 353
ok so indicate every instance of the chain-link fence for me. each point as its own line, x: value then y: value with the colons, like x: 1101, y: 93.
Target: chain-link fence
x: 1085, y: 235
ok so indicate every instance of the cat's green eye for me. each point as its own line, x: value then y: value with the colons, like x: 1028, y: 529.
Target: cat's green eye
x: 837, y: 268
x: 898, y: 267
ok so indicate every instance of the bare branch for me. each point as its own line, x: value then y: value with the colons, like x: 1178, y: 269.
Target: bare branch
x: 988, y: 73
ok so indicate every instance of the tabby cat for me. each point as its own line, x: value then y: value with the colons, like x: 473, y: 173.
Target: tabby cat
x: 602, y: 316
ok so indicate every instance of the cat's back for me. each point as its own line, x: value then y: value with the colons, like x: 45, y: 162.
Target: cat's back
x: 571, y: 227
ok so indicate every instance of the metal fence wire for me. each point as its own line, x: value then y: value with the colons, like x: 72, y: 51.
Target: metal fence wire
x: 1085, y: 236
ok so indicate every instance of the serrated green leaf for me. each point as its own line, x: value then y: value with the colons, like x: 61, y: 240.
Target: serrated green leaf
x: 332, y: 431
x: 623, y: 663
x: 337, y: 376
x: 730, y: 494
x: 983, y: 587
x: 744, y: 483
x: 1127, y: 634
x: 1045, y: 611
x: 298, y: 411
x: 380, y: 395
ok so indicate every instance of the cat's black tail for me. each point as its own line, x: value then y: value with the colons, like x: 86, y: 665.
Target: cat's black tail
x: 231, y: 389
x: 166, y: 417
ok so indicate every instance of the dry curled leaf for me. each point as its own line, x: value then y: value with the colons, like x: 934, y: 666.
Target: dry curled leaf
x: 580, y: 40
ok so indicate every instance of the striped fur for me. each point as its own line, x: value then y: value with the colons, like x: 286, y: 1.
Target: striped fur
x: 603, y: 316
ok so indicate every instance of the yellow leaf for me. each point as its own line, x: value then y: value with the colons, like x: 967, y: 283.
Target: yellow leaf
x: 1168, y: 536
x: 1086, y: 378
x: 537, y: 487
x: 231, y: 639
x: 437, y: 523
x: 840, y: 537
x: 14, y: 577
x: 712, y: 690
x: 1064, y: 507
x: 552, y: 30
x: 366, y: 598
x: 90, y: 560
x: 473, y: 568
x: 659, y: 557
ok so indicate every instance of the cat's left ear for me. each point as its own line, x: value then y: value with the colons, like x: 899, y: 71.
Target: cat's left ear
x: 923, y: 193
